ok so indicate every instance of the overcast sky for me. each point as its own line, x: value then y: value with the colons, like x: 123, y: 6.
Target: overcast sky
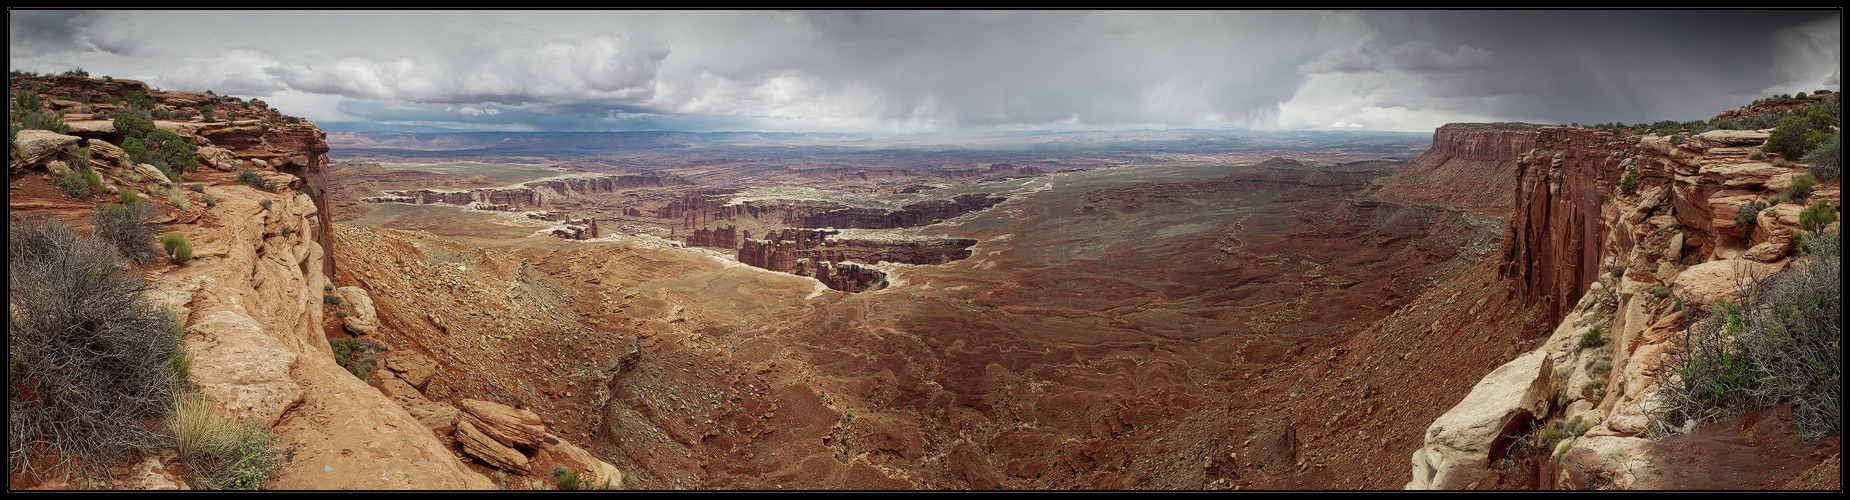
x: 941, y: 71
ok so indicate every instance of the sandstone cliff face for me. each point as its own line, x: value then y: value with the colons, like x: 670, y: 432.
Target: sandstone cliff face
x: 700, y: 208
x: 917, y: 214
x: 1470, y: 166
x: 252, y: 294
x: 532, y: 195
x: 1628, y: 266
x: 1561, y: 187
x: 810, y: 252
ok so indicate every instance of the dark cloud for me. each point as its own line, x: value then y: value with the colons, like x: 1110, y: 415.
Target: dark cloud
x: 46, y: 30
x: 1603, y: 65
x: 943, y: 70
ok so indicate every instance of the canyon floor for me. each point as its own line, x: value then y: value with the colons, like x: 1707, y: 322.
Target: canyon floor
x: 1158, y: 326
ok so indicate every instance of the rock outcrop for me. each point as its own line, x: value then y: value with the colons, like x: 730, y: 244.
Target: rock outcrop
x: 811, y: 252
x: 1470, y: 165
x: 364, y: 319
x: 531, y: 195
x: 1553, y: 249
x: 1618, y: 238
x: 1461, y: 444
x: 252, y: 296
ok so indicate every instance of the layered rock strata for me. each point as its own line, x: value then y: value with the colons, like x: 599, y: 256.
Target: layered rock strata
x: 810, y: 252
x: 531, y: 195
x: 1627, y: 266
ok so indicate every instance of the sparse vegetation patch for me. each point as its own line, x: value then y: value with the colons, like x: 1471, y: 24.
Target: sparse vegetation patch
x: 90, y: 368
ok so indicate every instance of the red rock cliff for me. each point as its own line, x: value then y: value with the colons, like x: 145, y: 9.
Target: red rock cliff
x: 1551, y: 244
x: 1470, y: 165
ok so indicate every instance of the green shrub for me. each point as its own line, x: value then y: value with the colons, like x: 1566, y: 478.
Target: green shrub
x: 1725, y: 124
x: 1660, y: 291
x: 75, y: 184
x: 206, y: 114
x: 353, y: 354
x: 253, y: 457
x: 176, y: 322
x: 177, y: 248
x: 127, y: 228
x: 133, y: 126
x: 1800, y: 188
x: 168, y: 148
x: 182, y: 363
x: 1788, y: 137
x: 138, y: 100
x: 1629, y: 185
x: 197, y: 188
x: 568, y: 479
x: 1817, y: 216
x: 265, y: 203
x: 254, y: 179
x: 210, y: 201
x: 1617, y: 270
x: 178, y: 199
x: 1720, y: 372
x: 1748, y: 215
x: 129, y: 196
x: 1782, y: 345
x: 89, y: 357
x: 1592, y: 339
x: 1793, y: 333
x: 1825, y: 162
x: 571, y: 480
x: 330, y: 299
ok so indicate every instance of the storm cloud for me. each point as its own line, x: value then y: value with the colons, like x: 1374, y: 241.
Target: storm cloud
x: 909, y: 71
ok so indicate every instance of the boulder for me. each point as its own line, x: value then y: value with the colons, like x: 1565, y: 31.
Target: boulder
x: 217, y: 158
x: 591, y: 470
x: 365, y: 319
x: 1710, y: 281
x: 1618, y: 456
x: 400, y: 391
x: 1772, y: 250
x: 97, y: 130
x: 1459, y: 443
x: 37, y: 146
x: 507, y: 425
x: 154, y: 174
x: 1749, y: 175
x: 434, y: 415
x: 1730, y: 138
x: 415, y: 368
x: 58, y: 169
x: 479, y: 445
x: 1673, y: 251
x: 113, y: 154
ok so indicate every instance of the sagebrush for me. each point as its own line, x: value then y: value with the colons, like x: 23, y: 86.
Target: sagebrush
x: 89, y: 356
